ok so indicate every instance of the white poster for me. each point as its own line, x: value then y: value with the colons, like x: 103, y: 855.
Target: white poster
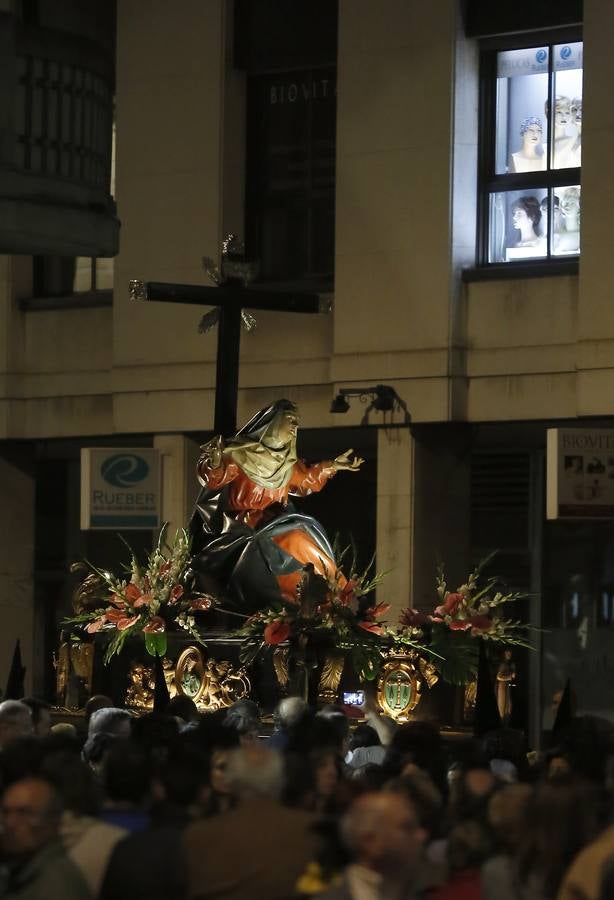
x: 580, y: 473
x: 120, y: 488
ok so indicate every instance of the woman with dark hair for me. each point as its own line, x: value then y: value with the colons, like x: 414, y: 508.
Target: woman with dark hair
x: 246, y: 534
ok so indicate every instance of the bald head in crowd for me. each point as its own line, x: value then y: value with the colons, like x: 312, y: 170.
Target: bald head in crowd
x: 15, y: 721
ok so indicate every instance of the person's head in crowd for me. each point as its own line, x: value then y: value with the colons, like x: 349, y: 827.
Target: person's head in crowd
x: 182, y: 707
x: 427, y: 801
x: 181, y: 783
x: 331, y: 728
x: 156, y: 733
x: 41, y: 715
x: 469, y: 846
x: 110, y: 720
x: 363, y: 736
x: 506, y: 745
x: 30, y: 815
x: 382, y: 833
x: 127, y: 775
x: 472, y: 794
x: 255, y: 772
x: 15, y: 721
x: 244, y: 718
x: 507, y: 812
x: 22, y: 758
x: 419, y: 744
x: 64, y: 729
x: 217, y: 741
x: 289, y: 713
x: 96, y: 702
x: 96, y: 748
x: 562, y: 817
x: 74, y: 781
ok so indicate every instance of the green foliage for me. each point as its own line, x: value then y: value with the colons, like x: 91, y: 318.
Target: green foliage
x: 458, y: 652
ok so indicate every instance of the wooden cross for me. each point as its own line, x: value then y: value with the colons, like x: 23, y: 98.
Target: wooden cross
x: 231, y: 298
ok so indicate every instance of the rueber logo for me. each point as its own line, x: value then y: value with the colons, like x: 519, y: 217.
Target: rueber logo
x: 124, y: 470
x: 565, y: 52
x: 541, y: 55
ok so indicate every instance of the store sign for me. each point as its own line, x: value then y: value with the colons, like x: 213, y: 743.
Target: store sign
x: 120, y: 488
x: 580, y: 473
x: 532, y: 61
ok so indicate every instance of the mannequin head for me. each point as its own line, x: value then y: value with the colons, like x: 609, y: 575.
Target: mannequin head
x: 531, y: 131
x: 562, y: 113
x: 526, y: 216
x: 570, y: 208
x: 576, y: 112
x: 556, y: 213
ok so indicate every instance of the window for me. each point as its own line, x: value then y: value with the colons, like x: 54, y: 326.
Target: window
x: 531, y: 149
x: 291, y: 175
x: 64, y: 276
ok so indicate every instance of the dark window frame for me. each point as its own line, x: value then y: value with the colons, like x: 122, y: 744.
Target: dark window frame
x: 490, y: 182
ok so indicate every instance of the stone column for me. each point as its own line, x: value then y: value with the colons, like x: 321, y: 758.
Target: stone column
x: 179, y: 485
x: 394, y: 516
x: 16, y: 568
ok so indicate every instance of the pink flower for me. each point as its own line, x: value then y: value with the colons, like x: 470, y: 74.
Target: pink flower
x: 460, y: 625
x: 451, y: 603
x: 276, y: 632
x: 480, y: 624
x: 156, y: 625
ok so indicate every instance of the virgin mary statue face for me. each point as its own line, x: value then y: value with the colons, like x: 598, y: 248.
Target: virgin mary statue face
x: 282, y: 430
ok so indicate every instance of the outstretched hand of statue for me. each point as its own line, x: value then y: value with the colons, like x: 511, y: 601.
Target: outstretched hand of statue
x: 347, y: 463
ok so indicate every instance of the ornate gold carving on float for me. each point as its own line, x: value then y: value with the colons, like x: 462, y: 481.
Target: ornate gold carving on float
x: 399, y: 685
x: 332, y: 669
x: 212, y: 684
x: 280, y: 666
x: 74, y: 667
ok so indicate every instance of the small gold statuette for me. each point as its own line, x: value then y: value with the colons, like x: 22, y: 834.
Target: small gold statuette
x: 138, y: 290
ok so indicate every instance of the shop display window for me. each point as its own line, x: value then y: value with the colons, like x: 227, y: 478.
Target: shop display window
x: 531, y: 152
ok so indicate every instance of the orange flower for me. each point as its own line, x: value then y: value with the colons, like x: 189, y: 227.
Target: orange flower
x: 176, y: 593
x: 142, y: 600
x: 96, y: 624
x: 347, y: 592
x: 132, y: 593
x: 276, y: 632
x: 201, y: 603
x: 480, y: 624
x: 116, y: 600
x: 119, y: 618
x: 372, y: 627
x: 156, y: 625
x: 376, y: 612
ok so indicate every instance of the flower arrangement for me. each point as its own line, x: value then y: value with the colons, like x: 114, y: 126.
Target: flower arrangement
x: 331, y: 613
x: 472, y: 611
x: 149, y: 600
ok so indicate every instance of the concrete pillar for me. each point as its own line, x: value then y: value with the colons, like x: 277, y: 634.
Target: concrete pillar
x: 16, y: 568
x: 394, y: 516
x: 179, y: 484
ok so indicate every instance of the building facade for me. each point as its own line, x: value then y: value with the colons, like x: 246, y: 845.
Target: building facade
x: 373, y: 153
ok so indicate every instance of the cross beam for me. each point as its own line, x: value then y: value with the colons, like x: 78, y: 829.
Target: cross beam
x: 230, y: 298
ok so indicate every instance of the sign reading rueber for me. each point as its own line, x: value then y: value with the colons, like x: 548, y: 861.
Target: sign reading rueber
x: 120, y: 488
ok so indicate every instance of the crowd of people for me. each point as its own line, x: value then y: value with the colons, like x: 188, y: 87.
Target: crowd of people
x: 180, y: 805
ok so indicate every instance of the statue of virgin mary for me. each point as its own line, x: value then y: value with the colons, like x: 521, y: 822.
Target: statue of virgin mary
x: 246, y: 534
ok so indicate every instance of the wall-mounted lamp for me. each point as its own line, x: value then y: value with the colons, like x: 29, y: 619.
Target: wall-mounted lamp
x: 382, y: 397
